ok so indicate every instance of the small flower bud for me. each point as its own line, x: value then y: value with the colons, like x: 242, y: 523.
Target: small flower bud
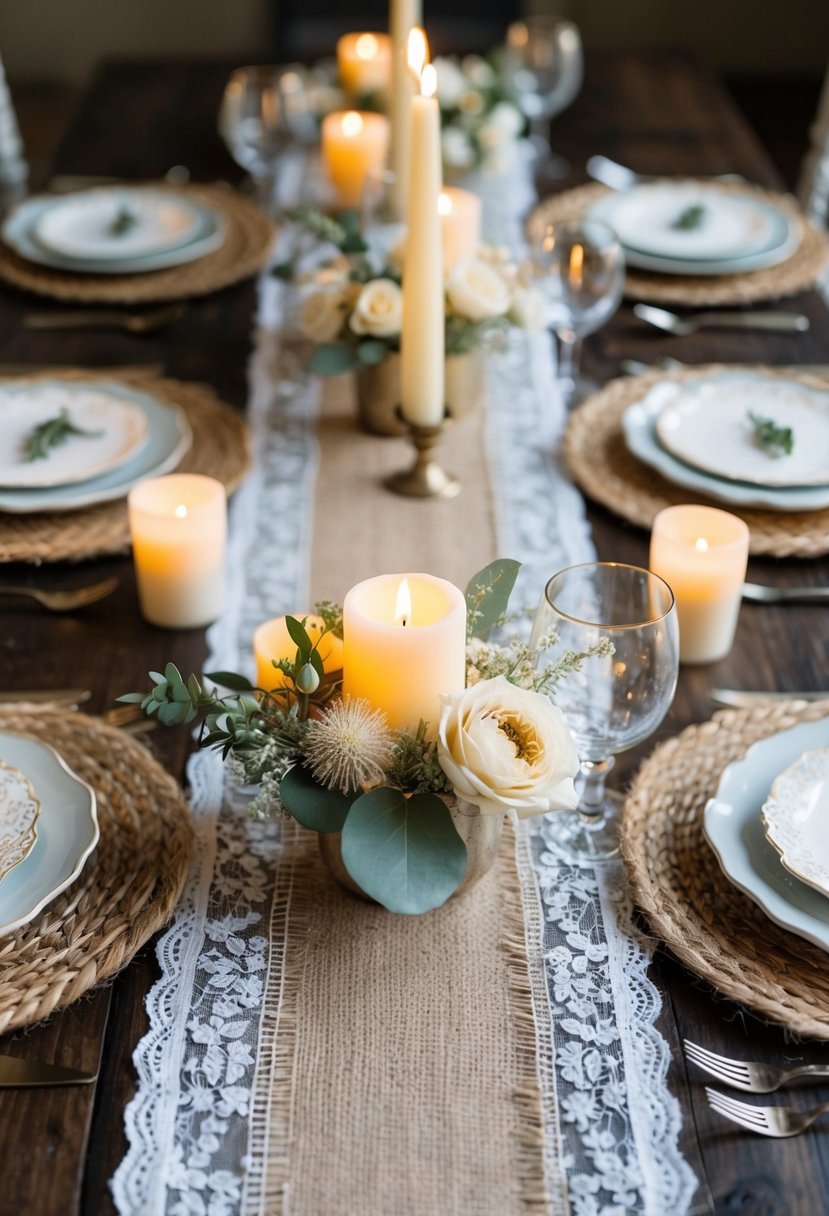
x: 307, y: 680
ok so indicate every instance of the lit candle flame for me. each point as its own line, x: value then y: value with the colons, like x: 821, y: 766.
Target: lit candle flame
x: 366, y: 47
x: 701, y: 544
x: 576, y: 269
x: 352, y: 124
x: 403, y: 604
x: 428, y: 81
x: 417, y: 50
x: 180, y: 511
x: 444, y: 203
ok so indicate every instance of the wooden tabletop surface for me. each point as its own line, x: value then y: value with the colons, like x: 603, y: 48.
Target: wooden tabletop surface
x: 658, y: 114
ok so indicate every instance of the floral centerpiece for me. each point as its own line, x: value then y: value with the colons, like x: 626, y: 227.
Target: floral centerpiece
x: 351, y: 308
x: 481, y: 120
x: 498, y: 747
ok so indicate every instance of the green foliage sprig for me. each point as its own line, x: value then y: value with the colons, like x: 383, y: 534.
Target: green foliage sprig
x: 774, y: 439
x: 690, y: 219
x: 51, y: 434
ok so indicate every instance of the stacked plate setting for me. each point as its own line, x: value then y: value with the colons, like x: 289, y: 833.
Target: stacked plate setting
x: 48, y: 828
x: 114, y: 230
x: 699, y: 433
x: 768, y: 823
x: 698, y: 228
x: 126, y: 436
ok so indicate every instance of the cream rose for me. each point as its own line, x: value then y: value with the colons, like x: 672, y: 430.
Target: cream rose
x: 321, y: 315
x: 477, y: 291
x: 506, y: 748
x: 529, y: 308
x: 379, y: 309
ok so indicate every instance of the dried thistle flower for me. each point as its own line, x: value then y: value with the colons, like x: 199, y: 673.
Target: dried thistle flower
x: 349, y: 747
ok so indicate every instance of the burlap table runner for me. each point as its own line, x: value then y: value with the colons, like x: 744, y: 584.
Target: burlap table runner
x: 397, y: 1070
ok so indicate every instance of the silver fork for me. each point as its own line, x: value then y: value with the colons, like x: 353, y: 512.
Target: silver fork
x: 660, y: 318
x: 781, y: 595
x: 777, y: 1121
x: 752, y: 1076
x: 64, y: 601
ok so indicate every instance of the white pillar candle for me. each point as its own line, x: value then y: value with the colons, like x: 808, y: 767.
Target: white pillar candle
x: 403, y: 14
x: 178, y: 526
x: 271, y: 640
x: 422, y: 337
x: 353, y: 144
x: 364, y: 63
x: 702, y: 553
x: 460, y: 224
x: 400, y: 653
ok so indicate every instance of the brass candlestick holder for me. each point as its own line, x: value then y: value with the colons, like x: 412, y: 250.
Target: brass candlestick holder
x: 425, y: 479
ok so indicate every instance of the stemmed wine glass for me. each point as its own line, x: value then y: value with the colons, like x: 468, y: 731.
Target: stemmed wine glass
x: 614, y: 701
x: 579, y: 268
x: 264, y: 111
x: 544, y: 68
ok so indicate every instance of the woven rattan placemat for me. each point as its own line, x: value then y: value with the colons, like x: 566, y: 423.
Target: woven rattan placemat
x: 716, y: 930
x: 220, y: 449
x: 598, y: 457
x: 797, y: 273
x: 246, y: 247
x: 129, y: 886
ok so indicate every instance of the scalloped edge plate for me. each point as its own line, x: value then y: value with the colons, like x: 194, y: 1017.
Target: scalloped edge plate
x: 796, y: 818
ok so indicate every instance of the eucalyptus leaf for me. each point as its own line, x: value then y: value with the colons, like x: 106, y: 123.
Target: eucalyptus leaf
x: 311, y: 804
x: 231, y: 680
x: 332, y: 359
x: 487, y: 595
x: 372, y: 351
x: 403, y: 852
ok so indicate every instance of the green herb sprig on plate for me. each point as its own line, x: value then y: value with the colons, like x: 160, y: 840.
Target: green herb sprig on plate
x: 124, y: 222
x: 774, y: 439
x: 690, y: 219
x: 51, y: 434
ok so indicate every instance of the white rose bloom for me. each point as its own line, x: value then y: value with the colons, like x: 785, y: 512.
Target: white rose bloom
x: 479, y: 71
x: 321, y: 315
x: 506, y: 748
x: 451, y: 82
x: 506, y: 118
x: 529, y: 308
x: 456, y: 149
x: 379, y: 309
x: 476, y: 290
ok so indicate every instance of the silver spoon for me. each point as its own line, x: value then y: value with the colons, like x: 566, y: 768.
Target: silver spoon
x: 660, y: 318
x: 620, y: 177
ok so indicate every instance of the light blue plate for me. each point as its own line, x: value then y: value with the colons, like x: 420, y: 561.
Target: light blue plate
x: 734, y: 829
x: 19, y: 232
x: 67, y: 831
x: 168, y: 438
x: 783, y: 239
x: 639, y: 426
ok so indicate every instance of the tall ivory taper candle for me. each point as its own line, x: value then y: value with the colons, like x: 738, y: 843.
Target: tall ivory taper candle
x: 403, y: 14
x: 422, y: 337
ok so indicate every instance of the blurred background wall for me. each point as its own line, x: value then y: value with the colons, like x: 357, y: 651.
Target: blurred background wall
x: 65, y: 38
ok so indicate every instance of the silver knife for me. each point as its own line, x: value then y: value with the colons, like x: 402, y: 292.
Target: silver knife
x: 16, y: 1074
x: 744, y: 700
x: 46, y: 696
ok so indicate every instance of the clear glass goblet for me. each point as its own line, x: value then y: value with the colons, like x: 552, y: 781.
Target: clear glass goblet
x: 544, y: 68
x: 579, y: 268
x: 611, y: 702
x: 264, y: 111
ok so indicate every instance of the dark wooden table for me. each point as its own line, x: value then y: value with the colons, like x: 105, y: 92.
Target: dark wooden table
x: 658, y: 114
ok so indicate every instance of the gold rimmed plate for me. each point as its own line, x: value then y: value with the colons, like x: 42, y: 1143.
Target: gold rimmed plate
x: 19, y: 813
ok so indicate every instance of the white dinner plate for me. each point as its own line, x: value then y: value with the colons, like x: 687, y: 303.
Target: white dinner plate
x: 734, y: 829
x: 115, y: 431
x: 19, y: 231
x: 85, y: 225
x: 168, y: 437
x: 707, y: 425
x: 68, y: 831
x: 19, y: 813
x: 796, y: 818
x: 639, y: 428
x: 740, y: 233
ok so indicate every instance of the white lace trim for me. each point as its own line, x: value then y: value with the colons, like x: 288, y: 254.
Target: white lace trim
x: 196, y: 1145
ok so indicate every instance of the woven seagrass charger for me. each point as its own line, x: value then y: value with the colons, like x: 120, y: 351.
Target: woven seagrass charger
x: 798, y: 272
x: 249, y: 235
x: 126, y: 891
x: 596, y: 453
x: 716, y: 930
x: 220, y: 449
